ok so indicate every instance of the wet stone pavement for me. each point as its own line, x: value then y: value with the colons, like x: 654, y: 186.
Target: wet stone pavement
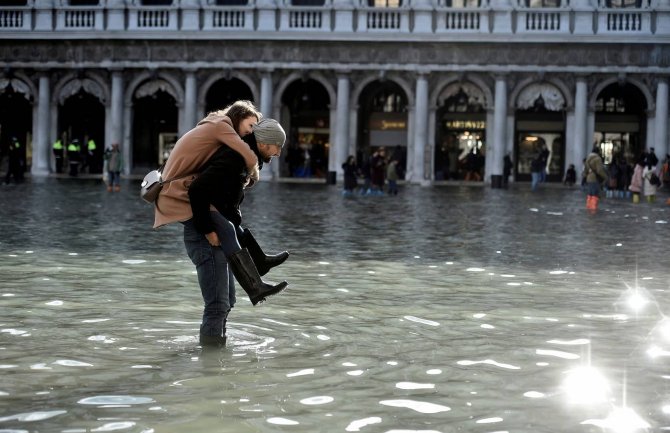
x: 443, y: 309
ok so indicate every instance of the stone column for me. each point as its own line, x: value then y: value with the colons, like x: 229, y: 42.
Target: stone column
x: 420, y: 128
x: 580, y: 143
x: 496, y: 152
x: 41, y: 148
x: 190, y: 103
x: 661, y: 119
x: 271, y: 171
x: 340, y: 149
x: 266, y: 93
x: 116, y: 118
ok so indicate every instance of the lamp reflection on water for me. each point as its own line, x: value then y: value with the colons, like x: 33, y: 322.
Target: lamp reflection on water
x: 586, y: 386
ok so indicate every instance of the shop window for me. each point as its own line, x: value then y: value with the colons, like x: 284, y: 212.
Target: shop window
x: 156, y: 2
x: 541, y: 3
x: 463, y: 3
x: 385, y: 3
x: 623, y: 4
x: 308, y: 2
x: 388, y: 103
x: 84, y: 2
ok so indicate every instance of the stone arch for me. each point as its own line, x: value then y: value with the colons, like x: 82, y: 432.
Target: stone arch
x: 316, y: 76
x: 225, y: 75
x: 91, y: 83
x: 452, y: 79
x: 556, y: 96
x: 651, y: 104
x: 404, y: 85
x: 173, y: 86
x: 21, y: 84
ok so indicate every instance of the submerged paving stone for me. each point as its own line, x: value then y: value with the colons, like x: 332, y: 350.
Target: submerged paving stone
x: 440, y: 309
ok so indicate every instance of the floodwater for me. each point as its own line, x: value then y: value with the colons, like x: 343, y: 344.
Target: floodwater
x: 443, y: 309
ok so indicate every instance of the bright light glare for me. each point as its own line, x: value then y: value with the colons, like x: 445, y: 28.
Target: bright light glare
x: 621, y: 420
x: 636, y: 301
x: 585, y: 385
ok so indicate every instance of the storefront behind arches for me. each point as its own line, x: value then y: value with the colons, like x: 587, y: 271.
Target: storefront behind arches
x: 224, y: 92
x: 460, y: 133
x: 15, y: 115
x: 81, y: 117
x: 384, y: 122
x: 155, y: 123
x: 305, y: 115
x: 620, y: 122
x: 540, y: 125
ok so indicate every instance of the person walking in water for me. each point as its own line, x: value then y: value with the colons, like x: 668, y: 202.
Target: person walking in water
x: 189, y: 156
x: 595, y: 175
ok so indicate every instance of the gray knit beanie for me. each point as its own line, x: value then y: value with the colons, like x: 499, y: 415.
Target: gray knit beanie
x: 269, y: 131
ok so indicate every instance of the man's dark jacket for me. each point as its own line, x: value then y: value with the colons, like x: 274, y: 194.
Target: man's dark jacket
x: 221, y: 184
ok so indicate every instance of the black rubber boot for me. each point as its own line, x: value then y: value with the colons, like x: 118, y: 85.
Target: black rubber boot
x: 212, y: 340
x: 262, y: 261
x: 247, y: 275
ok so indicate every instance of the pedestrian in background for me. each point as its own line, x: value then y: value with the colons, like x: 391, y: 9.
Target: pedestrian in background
x: 392, y: 177
x: 114, y: 160
x: 507, y: 169
x: 351, y: 173
x: 57, y: 149
x: 16, y: 164
x: 595, y: 176
x: 73, y: 157
x: 648, y: 173
x: 570, y: 176
x: 535, y: 172
x: 636, y: 182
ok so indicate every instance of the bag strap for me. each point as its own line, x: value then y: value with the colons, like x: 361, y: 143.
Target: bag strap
x: 163, y: 182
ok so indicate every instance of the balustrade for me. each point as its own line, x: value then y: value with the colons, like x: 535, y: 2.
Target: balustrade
x: 357, y: 19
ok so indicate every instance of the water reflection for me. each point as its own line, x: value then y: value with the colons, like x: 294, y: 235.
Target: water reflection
x: 439, y: 310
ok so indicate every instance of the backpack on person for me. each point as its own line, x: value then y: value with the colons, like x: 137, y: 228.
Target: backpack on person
x: 654, y: 179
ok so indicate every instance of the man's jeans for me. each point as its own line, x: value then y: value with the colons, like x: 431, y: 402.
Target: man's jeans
x: 215, y: 279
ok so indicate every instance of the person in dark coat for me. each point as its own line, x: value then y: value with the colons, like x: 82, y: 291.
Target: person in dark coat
x: 221, y: 184
x: 351, y: 173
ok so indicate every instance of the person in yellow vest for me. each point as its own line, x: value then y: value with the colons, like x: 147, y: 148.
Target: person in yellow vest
x: 57, y: 149
x: 89, y: 156
x: 73, y: 156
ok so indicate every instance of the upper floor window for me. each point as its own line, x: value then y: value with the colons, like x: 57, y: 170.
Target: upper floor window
x: 384, y: 3
x: 13, y: 3
x: 308, y: 2
x: 623, y: 3
x: 84, y: 2
x: 541, y: 3
x: 156, y: 2
x: 463, y: 3
x: 231, y: 2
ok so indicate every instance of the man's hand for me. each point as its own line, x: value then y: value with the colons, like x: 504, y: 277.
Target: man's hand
x: 213, y: 239
x: 252, y: 177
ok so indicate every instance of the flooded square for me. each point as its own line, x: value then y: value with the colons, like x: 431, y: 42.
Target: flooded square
x: 441, y: 309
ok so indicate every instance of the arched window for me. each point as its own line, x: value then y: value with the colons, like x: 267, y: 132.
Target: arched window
x: 308, y: 2
x: 463, y: 3
x: 541, y: 3
x: 231, y: 2
x: 156, y: 2
x: 623, y: 4
x: 384, y: 3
